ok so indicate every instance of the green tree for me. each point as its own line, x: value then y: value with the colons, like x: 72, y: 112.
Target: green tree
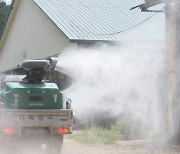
x: 4, y: 9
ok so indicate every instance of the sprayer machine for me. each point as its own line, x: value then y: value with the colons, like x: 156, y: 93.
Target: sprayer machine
x: 32, y: 108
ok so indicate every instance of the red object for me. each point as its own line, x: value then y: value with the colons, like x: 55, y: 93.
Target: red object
x: 61, y: 130
x: 9, y: 130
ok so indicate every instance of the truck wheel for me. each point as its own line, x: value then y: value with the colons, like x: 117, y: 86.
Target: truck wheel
x: 54, y: 144
x: 9, y: 144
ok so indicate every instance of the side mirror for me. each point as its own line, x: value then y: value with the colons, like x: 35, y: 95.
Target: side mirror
x: 68, y: 104
x: 1, y: 98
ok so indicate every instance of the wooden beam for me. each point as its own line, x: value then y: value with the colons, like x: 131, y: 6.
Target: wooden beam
x: 147, y: 4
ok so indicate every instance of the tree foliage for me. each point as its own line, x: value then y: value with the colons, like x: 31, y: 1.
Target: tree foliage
x: 4, y: 9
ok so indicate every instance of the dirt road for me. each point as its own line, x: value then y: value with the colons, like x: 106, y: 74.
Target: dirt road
x: 121, y: 147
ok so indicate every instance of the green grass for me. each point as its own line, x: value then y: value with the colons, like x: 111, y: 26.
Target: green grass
x: 95, y: 135
x: 124, y: 129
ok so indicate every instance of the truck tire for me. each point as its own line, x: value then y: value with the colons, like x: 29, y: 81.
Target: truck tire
x: 8, y: 144
x: 54, y: 144
x: 45, y: 144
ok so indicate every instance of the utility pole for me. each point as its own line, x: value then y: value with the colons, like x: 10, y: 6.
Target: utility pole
x: 171, y: 60
x: 172, y: 12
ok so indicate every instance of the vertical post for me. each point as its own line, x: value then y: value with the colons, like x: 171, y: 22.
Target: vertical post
x: 177, y: 86
x: 171, y: 59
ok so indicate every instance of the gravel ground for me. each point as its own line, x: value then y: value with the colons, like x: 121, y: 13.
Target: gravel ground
x: 121, y: 147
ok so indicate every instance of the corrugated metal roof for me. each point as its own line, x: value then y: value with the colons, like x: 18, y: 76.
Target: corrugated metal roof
x: 110, y: 20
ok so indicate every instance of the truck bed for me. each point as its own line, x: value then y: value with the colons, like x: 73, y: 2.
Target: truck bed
x: 36, y: 118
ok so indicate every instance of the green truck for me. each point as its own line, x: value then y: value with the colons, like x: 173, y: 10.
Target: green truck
x: 33, y: 110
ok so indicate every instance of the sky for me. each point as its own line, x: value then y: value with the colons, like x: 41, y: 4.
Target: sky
x: 8, y: 1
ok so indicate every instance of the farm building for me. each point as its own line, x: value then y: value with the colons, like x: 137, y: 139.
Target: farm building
x: 36, y: 29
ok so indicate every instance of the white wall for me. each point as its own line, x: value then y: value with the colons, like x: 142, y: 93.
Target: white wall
x: 32, y: 35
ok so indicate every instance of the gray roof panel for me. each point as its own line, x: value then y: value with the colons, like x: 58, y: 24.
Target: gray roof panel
x: 104, y: 19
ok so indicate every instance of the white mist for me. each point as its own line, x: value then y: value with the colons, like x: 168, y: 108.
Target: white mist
x: 126, y: 78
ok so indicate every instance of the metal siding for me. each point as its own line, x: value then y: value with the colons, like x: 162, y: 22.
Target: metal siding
x: 31, y: 32
x: 104, y: 19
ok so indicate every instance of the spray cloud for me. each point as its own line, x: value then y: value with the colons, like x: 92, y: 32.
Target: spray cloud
x: 126, y: 78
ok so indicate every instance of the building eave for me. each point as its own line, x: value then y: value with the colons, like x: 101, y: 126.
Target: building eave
x: 92, y: 41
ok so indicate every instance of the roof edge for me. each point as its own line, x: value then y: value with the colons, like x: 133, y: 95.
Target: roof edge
x: 93, y: 41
